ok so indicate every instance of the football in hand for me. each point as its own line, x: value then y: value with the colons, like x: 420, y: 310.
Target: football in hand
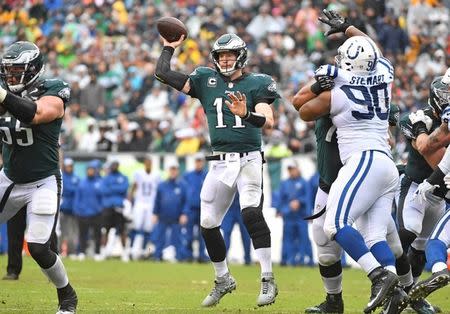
x: 171, y: 28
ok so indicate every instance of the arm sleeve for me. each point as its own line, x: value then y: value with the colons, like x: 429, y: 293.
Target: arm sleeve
x: 267, y: 92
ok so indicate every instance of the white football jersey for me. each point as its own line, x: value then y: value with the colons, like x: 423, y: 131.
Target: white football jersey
x: 360, y: 108
x: 147, y: 184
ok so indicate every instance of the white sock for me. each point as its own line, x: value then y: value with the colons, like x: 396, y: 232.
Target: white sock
x: 438, y: 267
x: 57, y: 274
x: 221, y: 268
x: 406, y: 280
x: 264, y: 257
x: 368, y: 262
x: 391, y: 268
x: 333, y: 285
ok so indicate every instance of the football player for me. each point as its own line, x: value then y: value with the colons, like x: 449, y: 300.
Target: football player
x: 363, y: 191
x: 237, y: 106
x: 143, y: 193
x: 417, y: 217
x: 31, y: 175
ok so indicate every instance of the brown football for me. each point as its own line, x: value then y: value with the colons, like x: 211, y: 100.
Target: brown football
x: 171, y: 28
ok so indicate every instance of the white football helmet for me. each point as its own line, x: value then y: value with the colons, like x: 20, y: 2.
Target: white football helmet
x: 230, y: 42
x: 358, y: 54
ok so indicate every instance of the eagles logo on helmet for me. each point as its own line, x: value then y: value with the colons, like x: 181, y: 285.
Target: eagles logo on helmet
x: 20, y: 66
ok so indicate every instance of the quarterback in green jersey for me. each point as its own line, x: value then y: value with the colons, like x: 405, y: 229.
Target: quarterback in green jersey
x: 31, y: 176
x: 237, y: 106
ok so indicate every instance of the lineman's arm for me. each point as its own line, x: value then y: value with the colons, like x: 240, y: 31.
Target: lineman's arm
x: 316, y: 107
x: 165, y: 74
x: 315, y: 87
x: 439, y: 138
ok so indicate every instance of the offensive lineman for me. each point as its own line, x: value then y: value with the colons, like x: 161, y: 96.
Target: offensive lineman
x: 359, y: 106
x: 31, y: 176
x: 237, y: 106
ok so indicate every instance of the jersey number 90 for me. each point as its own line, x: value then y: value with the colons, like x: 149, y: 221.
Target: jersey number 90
x: 370, y: 99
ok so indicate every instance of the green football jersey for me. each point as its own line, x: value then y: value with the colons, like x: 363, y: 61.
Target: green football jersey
x: 228, y: 132
x: 417, y: 167
x: 328, y: 159
x: 31, y: 152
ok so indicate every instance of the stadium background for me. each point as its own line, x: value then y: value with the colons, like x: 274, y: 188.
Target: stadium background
x: 107, y: 51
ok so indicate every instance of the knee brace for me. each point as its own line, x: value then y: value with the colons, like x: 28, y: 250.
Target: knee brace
x: 417, y: 260
x: 42, y: 254
x: 256, y: 226
x: 215, y: 245
x: 332, y: 270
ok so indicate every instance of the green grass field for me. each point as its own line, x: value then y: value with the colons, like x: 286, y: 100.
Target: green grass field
x: 148, y: 287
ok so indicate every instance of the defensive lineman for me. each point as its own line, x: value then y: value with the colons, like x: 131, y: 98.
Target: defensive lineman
x: 31, y: 176
x: 359, y: 107
x: 237, y: 106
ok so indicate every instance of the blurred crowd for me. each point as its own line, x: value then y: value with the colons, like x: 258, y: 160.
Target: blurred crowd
x: 107, y: 51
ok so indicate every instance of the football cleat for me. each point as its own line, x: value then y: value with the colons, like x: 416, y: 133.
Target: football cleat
x: 269, y: 290
x: 222, y: 286
x: 424, y: 288
x: 10, y: 276
x: 68, y: 300
x: 383, y: 285
x: 397, y: 303
x: 332, y: 304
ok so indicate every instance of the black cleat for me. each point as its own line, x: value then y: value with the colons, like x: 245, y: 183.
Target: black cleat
x: 68, y: 300
x: 397, y: 303
x: 422, y: 306
x: 383, y: 285
x: 10, y: 276
x: 332, y: 304
x: 424, y: 288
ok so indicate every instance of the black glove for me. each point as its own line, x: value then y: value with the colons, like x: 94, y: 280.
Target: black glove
x: 323, y: 83
x: 337, y: 23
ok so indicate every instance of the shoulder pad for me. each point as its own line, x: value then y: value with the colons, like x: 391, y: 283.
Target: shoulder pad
x: 52, y: 87
x: 328, y: 70
x: 202, y: 70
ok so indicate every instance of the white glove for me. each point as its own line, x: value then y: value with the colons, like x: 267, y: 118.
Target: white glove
x: 424, y: 190
x: 419, y: 115
x: 447, y: 180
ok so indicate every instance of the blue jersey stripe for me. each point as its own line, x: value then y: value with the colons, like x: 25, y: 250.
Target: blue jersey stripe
x: 346, y: 188
x: 440, y: 225
x: 328, y: 70
x: 335, y: 74
x: 355, y: 190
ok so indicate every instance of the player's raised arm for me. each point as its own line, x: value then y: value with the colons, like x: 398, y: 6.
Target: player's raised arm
x: 165, y: 74
x: 339, y: 24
